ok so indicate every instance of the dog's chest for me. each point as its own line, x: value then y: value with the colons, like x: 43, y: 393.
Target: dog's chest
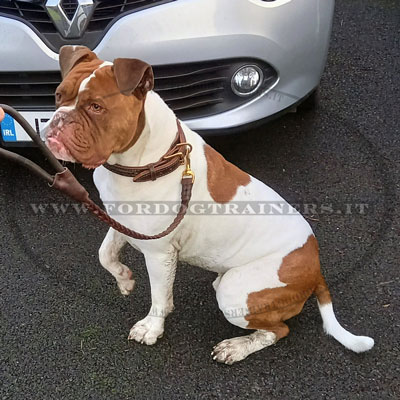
x: 213, y: 241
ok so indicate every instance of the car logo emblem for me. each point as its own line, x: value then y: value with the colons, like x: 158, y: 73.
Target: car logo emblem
x: 74, y: 27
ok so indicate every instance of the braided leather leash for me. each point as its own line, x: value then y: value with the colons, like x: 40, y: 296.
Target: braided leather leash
x: 65, y: 181
x: 185, y: 198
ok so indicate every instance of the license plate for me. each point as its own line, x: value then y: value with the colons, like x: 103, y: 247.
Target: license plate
x: 12, y: 132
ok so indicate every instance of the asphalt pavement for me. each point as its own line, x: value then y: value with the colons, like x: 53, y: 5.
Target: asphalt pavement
x: 64, y: 325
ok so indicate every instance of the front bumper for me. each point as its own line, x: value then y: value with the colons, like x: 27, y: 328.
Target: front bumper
x: 290, y: 35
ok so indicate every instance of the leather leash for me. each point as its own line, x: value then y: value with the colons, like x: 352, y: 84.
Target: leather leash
x: 65, y: 182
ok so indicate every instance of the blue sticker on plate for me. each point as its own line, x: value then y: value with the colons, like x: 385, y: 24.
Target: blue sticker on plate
x: 8, y: 129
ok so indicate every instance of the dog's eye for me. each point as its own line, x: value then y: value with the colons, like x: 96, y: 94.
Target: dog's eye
x: 58, y: 97
x: 97, y: 108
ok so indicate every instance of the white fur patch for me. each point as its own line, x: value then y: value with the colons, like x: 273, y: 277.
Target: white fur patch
x: 84, y: 83
x: 109, y: 259
x: 236, y: 349
x: 332, y: 327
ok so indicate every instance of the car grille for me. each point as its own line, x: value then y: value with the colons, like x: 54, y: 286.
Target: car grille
x: 69, y: 7
x: 192, y: 90
x: 105, y: 14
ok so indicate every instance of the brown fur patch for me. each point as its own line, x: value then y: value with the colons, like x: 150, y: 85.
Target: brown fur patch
x: 92, y: 138
x: 73, y: 55
x: 223, y: 178
x: 68, y: 89
x: 322, y: 292
x: 139, y: 129
x: 300, y: 270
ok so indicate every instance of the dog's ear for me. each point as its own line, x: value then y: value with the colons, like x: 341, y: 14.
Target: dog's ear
x: 73, y: 55
x: 133, y: 77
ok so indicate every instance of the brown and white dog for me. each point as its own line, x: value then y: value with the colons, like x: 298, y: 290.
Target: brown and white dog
x: 267, y: 266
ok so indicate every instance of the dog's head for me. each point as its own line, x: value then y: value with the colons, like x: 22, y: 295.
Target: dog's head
x: 100, y: 106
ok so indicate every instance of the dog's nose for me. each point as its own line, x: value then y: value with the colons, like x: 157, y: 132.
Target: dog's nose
x: 54, y: 125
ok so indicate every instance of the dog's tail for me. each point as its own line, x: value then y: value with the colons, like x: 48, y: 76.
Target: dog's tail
x: 332, y: 327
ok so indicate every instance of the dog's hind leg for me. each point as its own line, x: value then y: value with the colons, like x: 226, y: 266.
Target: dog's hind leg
x: 236, y: 349
x: 246, y: 306
x: 109, y: 259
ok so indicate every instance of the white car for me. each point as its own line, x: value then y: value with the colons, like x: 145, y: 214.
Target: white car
x: 221, y: 65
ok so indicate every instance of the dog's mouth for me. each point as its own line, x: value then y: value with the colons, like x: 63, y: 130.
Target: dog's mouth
x: 59, y: 139
x: 51, y: 135
x: 62, y: 152
x: 58, y: 148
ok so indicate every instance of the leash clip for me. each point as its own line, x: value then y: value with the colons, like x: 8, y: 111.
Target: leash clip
x: 188, y: 173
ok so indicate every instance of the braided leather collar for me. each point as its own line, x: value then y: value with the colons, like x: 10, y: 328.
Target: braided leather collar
x: 168, y: 163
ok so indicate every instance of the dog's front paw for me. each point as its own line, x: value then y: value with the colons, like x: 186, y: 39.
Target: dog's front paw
x: 147, y: 331
x: 126, y: 286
